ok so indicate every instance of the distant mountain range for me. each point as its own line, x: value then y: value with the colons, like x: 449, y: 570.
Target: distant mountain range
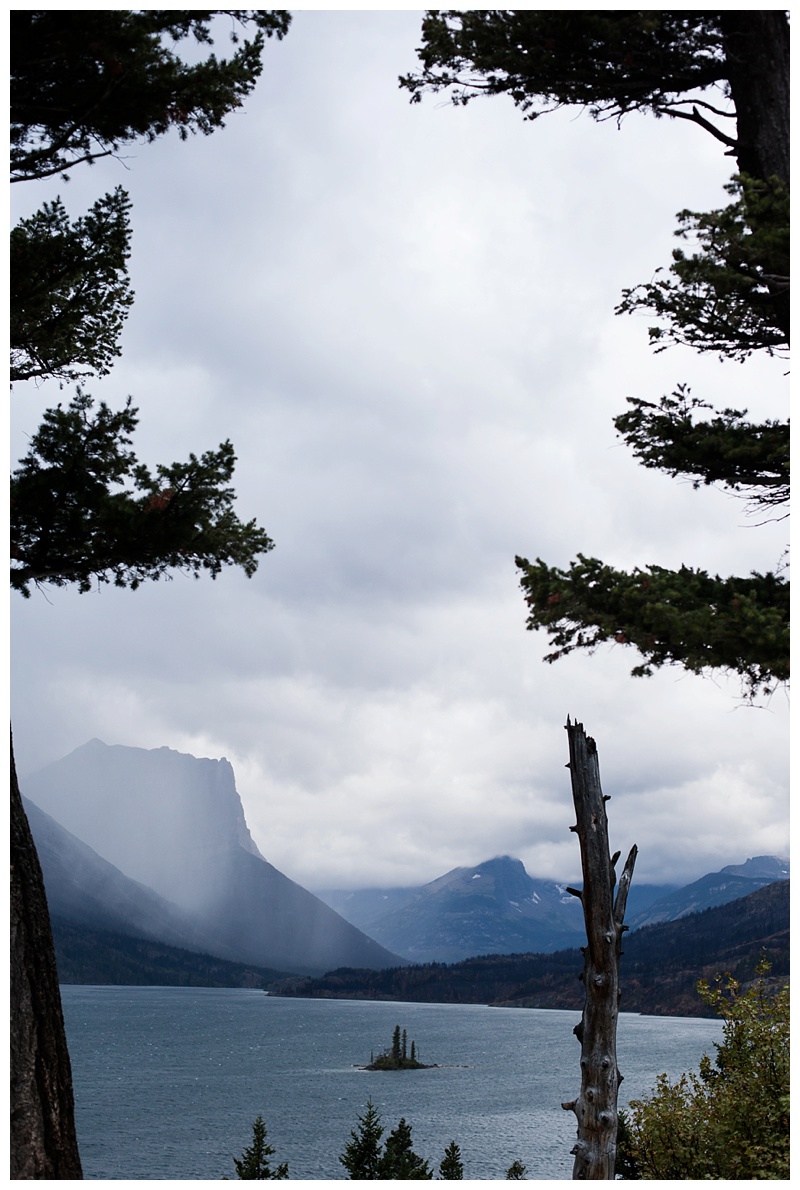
x: 717, y: 888
x: 660, y: 967
x: 141, y: 845
x: 497, y: 908
x: 154, y: 844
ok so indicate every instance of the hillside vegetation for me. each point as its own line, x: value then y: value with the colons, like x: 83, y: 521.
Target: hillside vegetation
x: 660, y: 968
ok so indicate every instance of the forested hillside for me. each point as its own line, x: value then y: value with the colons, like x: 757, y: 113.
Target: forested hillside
x: 89, y: 956
x: 660, y: 967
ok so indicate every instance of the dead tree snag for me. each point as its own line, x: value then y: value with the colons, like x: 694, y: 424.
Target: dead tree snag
x: 596, y: 1107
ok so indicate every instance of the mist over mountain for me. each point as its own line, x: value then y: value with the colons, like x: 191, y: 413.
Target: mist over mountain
x: 492, y: 908
x: 175, y: 824
x: 715, y: 888
x: 661, y: 966
x: 155, y: 844
x: 162, y: 817
x: 87, y: 890
x: 497, y: 908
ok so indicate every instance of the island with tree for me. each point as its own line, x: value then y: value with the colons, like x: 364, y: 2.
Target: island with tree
x: 398, y: 1057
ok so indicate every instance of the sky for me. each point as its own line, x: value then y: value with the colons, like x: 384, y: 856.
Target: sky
x: 403, y: 317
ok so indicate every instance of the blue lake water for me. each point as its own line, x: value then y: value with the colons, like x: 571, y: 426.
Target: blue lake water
x: 169, y: 1080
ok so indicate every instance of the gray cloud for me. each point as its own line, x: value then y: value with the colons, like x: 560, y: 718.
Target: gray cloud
x: 403, y: 318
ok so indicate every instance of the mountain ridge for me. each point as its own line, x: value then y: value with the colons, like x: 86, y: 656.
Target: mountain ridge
x: 174, y: 824
x: 497, y: 907
x: 660, y: 968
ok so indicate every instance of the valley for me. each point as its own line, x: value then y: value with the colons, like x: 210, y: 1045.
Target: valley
x: 182, y: 896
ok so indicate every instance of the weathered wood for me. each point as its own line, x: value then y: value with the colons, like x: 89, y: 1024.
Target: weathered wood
x: 596, y: 1106
x: 42, y: 1141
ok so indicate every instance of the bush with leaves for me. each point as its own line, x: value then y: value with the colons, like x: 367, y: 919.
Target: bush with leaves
x: 730, y: 1120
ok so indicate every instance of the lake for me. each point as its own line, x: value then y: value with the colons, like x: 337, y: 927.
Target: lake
x: 169, y: 1080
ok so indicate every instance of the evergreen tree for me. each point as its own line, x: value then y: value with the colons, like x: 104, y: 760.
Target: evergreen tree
x: 396, y: 1050
x: 405, y: 1045
x: 731, y: 296
x: 516, y: 1172
x: 626, y: 1167
x: 85, y: 83
x: 451, y: 1168
x: 84, y: 510
x: 684, y: 617
x: 69, y: 292
x: 254, y: 1161
x: 399, y: 1161
x: 751, y: 461
x: 613, y: 63
x: 362, y: 1155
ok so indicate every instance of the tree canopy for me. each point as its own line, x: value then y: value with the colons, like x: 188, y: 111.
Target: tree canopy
x: 69, y: 292
x: 726, y: 292
x: 681, y: 617
x: 684, y: 65
x: 84, y: 510
x: 751, y: 460
x: 611, y: 62
x: 732, y: 296
x: 85, y: 83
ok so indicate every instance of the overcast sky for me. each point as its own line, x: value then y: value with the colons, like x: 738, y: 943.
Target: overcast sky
x: 403, y: 318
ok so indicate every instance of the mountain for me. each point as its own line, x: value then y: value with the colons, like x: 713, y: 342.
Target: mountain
x: 660, y: 968
x: 87, y: 891
x: 497, y: 908
x: 363, y: 907
x: 717, y: 888
x: 175, y: 824
x: 88, y: 956
x: 493, y: 908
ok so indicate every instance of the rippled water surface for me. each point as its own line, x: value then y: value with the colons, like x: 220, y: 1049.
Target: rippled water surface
x: 169, y: 1080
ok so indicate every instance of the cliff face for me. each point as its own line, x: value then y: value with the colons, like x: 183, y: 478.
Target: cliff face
x: 160, y: 816
x: 175, y: 824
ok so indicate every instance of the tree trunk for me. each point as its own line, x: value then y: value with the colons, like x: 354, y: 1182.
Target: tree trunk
x: 757, y: 55
x: 596, y: 1106
x: 43, y: 1141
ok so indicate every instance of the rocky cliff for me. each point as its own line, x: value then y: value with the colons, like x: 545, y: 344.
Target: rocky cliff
x: 175, y: 824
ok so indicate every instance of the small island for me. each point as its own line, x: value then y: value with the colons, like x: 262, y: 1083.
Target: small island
x: 398, y: 1057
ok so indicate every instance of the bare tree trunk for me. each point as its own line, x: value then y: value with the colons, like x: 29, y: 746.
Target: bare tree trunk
x: 43, y: 1142
x: 596, y: 1106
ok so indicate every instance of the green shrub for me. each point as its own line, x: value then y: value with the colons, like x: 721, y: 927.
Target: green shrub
x: 731, y: 1119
